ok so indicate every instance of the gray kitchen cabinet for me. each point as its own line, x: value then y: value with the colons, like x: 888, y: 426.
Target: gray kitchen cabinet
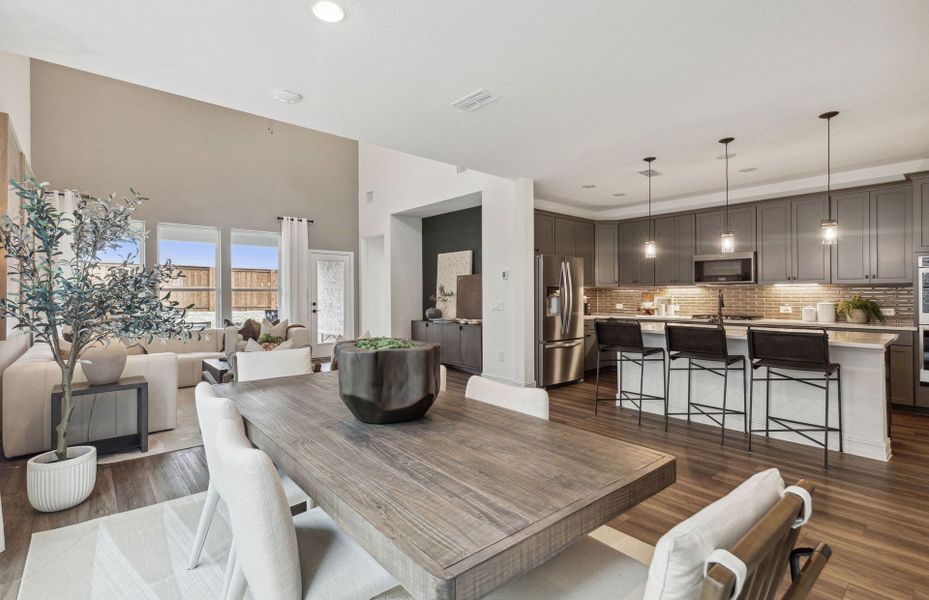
x: 584, y: 246
x: 434, y: 332
x: 590, y: 347
x: 606, y: 254
x: 471, y: 353
x: 418, y: 330
x: 460, y: 344
x: 851, y: 252
x: 710, y: 224
x: 920, y: 195
x: 890, y: 235
x: 544, y: 234
x: 451, y: 343
x: 773, y: 262
x: 634, y: 268
x: 674, y: 237
x: 811, y: 259
x: 564, y: 237
x: 902, y: 375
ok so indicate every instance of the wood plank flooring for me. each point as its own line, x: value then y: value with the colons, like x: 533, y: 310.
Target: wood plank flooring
x: 874, y: 515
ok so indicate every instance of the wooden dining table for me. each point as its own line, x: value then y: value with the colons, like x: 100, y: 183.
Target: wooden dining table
x: 459, y: 502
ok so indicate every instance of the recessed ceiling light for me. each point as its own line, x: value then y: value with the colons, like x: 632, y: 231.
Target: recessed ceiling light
x: 619, y: 194
x: 328, y: 11
x: 588, y: 186
x: 748, y: 169
x: 287, y: 96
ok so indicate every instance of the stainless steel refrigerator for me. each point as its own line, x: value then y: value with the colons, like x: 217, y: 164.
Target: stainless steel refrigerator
x: 559, y: 319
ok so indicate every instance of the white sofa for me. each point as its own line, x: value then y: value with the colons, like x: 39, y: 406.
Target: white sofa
x: 27, y: 390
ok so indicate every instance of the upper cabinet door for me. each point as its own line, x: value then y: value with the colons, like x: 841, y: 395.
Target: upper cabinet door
x: 607, y: 254
x: 584, y: 247
x: 891, y: 242
x: 710, y: 225
x: 544, y: 234
x: 850, y: 254
x: 644, y: 231
x: 666, y: 258
x: 773, y: 262
x: 810, y: 257
x: 685, y: 243
x: 564, y: 237
x: 628, y: 257
x: 920, y: 195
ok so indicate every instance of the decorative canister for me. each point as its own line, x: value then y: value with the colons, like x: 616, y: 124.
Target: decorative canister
x: 825, y: 312
x: 808, y: 314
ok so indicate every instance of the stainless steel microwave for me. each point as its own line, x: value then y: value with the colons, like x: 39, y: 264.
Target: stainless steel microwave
x: 737, y: 267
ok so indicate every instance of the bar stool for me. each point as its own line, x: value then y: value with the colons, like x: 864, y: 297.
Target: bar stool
x: 779, y: 350
x: 705, y: 344
x: 625, y: 337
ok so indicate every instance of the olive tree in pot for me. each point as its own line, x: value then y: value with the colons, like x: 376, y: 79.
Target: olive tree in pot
x: 54, y: 259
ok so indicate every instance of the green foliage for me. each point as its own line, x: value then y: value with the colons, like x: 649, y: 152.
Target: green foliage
x: 270, y: 339
x: 62, y: 285
x: 868, y: 305
x: 384, y: 343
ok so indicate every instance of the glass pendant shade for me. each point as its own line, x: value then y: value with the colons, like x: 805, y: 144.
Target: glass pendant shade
x: 727, y: 242
x: 830, y: 231
x: 650, y: 249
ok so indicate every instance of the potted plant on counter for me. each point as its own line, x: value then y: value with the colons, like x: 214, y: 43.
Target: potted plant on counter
x: 860, y: 310
x: 64, y: 286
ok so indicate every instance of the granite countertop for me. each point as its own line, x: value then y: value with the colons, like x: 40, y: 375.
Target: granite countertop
x: 889, y: 326
x: 844, y: 339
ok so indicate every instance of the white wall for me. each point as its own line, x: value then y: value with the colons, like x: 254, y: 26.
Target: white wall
x: 402, y: 185
x: 374, y: 317
x: 14, y: 97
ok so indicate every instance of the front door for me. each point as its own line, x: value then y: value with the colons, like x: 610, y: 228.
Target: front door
x: 331, y: 312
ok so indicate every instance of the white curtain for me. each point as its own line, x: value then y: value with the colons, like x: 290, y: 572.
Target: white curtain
x: 295, y: 271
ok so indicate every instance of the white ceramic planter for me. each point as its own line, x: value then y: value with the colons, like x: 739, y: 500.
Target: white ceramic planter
x: 857, y: 315
x: 53, y: 485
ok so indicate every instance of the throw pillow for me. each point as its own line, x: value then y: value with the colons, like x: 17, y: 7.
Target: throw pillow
x: 274, y: 329
x: 253, y: 346
x: 250, y: 330
x: 284, y: 345
x: 676, y: 570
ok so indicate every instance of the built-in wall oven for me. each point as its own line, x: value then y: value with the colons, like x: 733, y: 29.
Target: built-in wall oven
x: 922, y: 315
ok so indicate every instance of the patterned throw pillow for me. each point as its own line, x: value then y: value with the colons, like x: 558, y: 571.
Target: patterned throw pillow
x: 274, y: 329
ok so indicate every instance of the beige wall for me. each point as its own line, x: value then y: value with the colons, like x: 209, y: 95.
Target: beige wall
x: 199, y: 163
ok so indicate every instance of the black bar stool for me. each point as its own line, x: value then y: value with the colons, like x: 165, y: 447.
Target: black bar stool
x: 779, y: 350
x: 706, y: 344
x: 625, y: 337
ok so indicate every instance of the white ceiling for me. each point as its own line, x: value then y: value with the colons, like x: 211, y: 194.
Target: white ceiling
x: 587, y: 88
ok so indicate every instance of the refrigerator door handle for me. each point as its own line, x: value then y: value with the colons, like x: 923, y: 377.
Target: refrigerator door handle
x: 564, y: 298
x: 568, y: 344
x: 570, y: 310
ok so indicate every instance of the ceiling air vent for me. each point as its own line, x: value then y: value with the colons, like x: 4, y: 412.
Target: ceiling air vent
x: 648, y: 172
x: 474, y: 101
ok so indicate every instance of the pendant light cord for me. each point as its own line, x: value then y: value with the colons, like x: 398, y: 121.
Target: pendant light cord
x: 829, y: 165
x: 727, y: 187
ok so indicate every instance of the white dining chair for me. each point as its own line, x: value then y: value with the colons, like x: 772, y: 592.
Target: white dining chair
x: 211, y: 409
x: 249, y: 366
x: 530, y: 401
x: 280, y: 557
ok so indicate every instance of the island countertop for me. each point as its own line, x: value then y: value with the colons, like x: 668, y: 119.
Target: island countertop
x: 796, y: 323
x: 839, y: 339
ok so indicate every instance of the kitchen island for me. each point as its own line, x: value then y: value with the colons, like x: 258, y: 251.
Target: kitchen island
x: 862, y: 356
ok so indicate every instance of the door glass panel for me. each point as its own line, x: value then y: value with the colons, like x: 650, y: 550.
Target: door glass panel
x: 330, y: 298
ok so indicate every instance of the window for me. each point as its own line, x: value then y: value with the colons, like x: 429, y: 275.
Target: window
x: 255, y: 264
x: 133, y: 248
x: 194, y: 249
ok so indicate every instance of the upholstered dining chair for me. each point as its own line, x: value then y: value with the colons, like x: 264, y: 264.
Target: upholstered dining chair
x: 738, y: 547
x: 249, y: 366
x: 284, y: 558
x: 530, y: 401
x: 211, y: 409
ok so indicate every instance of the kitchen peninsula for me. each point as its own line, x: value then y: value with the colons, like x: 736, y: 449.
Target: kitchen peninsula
x: 862, y: 356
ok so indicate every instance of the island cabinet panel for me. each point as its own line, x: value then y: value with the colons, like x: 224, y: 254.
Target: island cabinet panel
x: 890, y: 235
x: 674, y: 237
x: 810, y: 257
x: 564, y: 237
x: 606, y: 254
x: 584, y: 246
x: 590, y: 347
x: 773, y: 262
x: 851, y: 252
x: 544, y: 234
x: 920, y: 193
x: 710, y: 225
x: 902, y: 376
x: 634, y: 268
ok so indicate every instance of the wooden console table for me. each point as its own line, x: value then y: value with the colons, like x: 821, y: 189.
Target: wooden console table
x: 114, y: 444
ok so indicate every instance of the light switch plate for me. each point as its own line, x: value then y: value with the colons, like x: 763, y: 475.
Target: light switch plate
x: 889, y: 312
x: 786, y: 309
x: 620, y: 305
x: 496, y: 306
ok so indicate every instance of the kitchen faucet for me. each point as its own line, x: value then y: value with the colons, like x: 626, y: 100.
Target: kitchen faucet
x: 720, y: 303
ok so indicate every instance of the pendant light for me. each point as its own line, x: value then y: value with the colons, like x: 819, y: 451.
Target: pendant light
x: 727, y: 238
x: 651, y: 249
x: 829, y: 226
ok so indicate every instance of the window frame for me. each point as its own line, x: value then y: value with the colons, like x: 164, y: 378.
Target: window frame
x: 232, y: 290
x: 217, y: 267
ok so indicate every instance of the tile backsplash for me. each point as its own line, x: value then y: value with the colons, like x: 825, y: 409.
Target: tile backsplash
x: 763, y: 300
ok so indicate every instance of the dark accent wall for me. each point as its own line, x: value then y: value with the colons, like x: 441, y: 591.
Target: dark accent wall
x: 451, y: 232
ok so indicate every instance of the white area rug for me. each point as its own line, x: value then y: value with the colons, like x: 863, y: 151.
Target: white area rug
x: 185, y: 435
x: 142, y: 555
x: 136, y: 555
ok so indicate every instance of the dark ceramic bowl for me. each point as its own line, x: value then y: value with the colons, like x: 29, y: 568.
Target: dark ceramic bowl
x: 389, y: 386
